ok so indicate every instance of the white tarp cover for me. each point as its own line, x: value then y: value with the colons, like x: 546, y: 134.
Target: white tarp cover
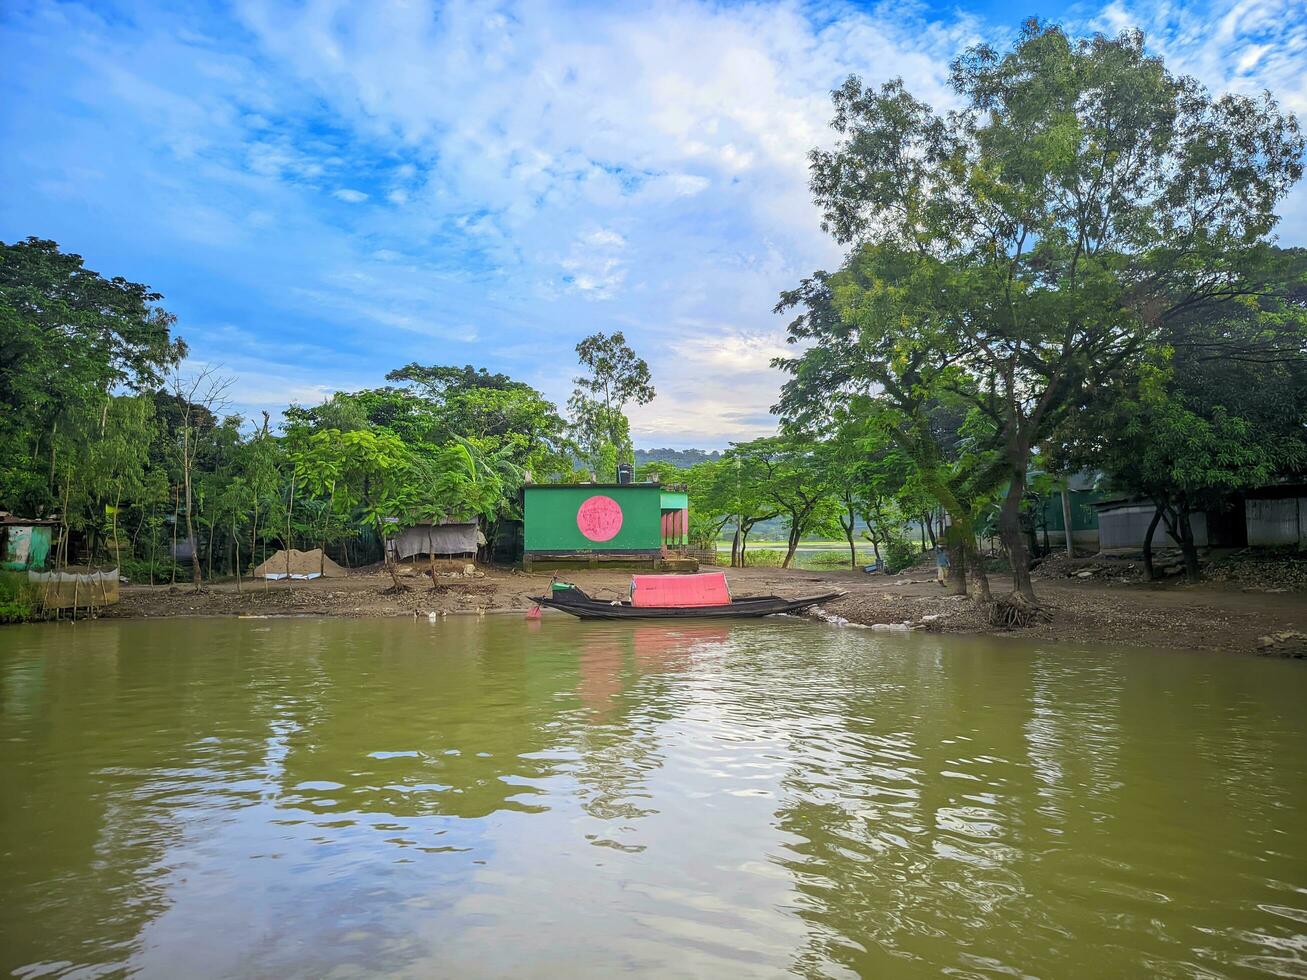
x: 82, y: 578
x: 436, y: 539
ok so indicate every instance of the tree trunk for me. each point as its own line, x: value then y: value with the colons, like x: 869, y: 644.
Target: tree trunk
x: 977, y: 579
x: 955, y: 548
x: 1193, y: 575
x: 735, y: 547
x: 853, y: 548
x: 1149, y: 574
x: 1066, y: 520
x: 172, y: 558
x: 237, y: 542
x: 196, y: 575
x: 793, y: 544
x: 385, y: 555
x: 212, y: 525
x: 290, y: 510
x: 1009, y: 525
x: 117, y: 548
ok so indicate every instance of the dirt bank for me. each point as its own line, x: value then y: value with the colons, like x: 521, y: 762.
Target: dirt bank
x: 1218, y: 616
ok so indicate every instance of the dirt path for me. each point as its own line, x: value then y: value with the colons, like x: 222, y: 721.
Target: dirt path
x: 1214, y: 616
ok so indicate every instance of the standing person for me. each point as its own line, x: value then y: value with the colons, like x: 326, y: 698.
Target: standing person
x: 941, y: 565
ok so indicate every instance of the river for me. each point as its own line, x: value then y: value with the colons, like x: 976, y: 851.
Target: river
x: 492, y: 797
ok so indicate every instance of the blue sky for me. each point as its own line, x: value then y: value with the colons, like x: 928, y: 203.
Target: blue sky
x: 326, y: 190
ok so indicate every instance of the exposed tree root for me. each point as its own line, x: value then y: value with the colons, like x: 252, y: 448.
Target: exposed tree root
x: 1015, y: 611
x: 397, y: 589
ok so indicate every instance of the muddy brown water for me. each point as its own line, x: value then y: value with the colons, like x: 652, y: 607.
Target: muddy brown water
x: 492, y: 797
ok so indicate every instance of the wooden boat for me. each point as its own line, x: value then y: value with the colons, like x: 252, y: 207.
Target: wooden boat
x: 572, y: 600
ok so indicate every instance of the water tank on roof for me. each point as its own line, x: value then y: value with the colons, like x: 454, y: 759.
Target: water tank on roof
x: 625, y: 473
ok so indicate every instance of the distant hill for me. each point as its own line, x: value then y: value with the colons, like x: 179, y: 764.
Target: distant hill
x: 676, y: 457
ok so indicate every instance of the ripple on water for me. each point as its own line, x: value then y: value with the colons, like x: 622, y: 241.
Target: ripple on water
x: 488, y: 798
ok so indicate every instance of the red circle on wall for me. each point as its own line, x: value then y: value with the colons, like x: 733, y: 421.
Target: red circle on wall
x: 599, y: 518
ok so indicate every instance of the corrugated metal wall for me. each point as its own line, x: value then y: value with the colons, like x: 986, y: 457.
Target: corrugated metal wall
x: 1274, y: 523
x: 1125, y: 526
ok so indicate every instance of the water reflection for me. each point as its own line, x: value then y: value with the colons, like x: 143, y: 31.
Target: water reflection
x: 486, y: 797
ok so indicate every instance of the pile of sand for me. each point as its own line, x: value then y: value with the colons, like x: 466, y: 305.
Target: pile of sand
x: 299, y: 564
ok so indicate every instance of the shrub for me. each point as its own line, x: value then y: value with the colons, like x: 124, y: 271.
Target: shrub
x: 18, y: 601
x: 764, y: 558
x: 837, y: 558
x: 899, y: 553
x: 137, y: 570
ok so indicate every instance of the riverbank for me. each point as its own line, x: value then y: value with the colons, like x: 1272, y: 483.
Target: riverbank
x: 1214, y: 616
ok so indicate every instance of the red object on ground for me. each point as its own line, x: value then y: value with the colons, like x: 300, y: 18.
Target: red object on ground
x: 679, y: 591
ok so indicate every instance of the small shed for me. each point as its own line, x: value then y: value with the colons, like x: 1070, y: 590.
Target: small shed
x: 592, y: 523
x: 439, y: 539
x: 24, y: 542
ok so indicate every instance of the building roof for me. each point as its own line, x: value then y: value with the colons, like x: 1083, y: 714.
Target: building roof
x: 590, y: 486
x: 13, y: 520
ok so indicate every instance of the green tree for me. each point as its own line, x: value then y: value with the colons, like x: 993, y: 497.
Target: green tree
x: 707, y: 488
x: 779, y: 476
x: 364, y: 472
x: 69, y: 338
x: 1220, y: 408
x: 1079, y: 199
x: 865, y: 472
x: 740, y: 490
x: 615, y: 376
x: 861, y: 363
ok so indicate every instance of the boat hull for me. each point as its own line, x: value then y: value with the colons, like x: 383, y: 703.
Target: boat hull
x: 577, y: 603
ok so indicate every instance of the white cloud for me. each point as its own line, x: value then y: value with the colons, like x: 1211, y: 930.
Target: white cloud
x: 543, y: 172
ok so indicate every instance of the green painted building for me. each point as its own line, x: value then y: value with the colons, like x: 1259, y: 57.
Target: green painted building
x: 639, y: 521
x: 562, y: 518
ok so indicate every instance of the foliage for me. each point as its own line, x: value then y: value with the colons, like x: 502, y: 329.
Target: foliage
x: 614, y: 376
x: 18, y: 600
x: 1016, y: 254
x: 69, y: 338
x: 1221, y: 408
x: 766, y: 558
x: 900, y: 552
x: 680, y: 458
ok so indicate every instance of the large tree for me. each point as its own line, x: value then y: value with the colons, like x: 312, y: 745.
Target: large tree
x: 614, y: 377
x: 865, y: 472
x: 69, y: 339
x: 1079, y: 199
x: 860, y: 363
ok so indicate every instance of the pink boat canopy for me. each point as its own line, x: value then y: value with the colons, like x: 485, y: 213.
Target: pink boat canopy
x: 680, y: 591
